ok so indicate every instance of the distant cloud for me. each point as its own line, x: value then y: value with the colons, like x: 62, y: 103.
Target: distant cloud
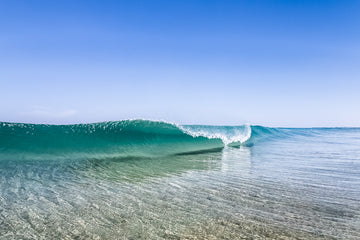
x: 49, y: 113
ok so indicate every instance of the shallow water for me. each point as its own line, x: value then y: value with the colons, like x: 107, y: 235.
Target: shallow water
x: 292, y: 184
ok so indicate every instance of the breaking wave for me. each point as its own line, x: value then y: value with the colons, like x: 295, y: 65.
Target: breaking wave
x: 127, y: 138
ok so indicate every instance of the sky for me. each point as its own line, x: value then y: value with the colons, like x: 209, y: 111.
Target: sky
x: 272, y: 63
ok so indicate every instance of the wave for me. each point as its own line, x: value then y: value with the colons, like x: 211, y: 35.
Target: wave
x: 127, y: 138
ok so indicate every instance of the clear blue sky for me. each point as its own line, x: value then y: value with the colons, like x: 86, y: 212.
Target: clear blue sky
x: 274, y: 63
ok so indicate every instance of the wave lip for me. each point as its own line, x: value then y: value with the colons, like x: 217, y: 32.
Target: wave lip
x: 227, y: 134
x: 127, y: 138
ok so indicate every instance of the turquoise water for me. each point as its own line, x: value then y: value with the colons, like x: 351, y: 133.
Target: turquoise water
x: 139, y: 179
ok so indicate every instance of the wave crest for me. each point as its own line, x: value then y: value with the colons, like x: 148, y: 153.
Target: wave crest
x: 228, y: 134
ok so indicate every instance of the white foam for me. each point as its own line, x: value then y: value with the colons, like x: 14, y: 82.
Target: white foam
x: 227, y: 135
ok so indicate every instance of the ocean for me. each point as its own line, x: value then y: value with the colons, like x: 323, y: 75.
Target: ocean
x: 140, y: 179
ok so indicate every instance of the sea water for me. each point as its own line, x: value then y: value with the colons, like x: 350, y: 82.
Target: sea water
x: 139, y: 179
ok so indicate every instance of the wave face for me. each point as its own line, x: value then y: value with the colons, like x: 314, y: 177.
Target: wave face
x: 128, y: 138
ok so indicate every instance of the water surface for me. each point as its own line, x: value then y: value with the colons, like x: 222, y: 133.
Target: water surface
x: 154, y: 180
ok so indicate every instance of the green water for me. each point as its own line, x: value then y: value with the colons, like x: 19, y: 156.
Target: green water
x: 154, y: 180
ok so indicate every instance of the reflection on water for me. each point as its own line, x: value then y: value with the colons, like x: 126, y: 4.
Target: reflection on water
x: 278, y: 190
x: 236, y: 158
x: 140, y: 169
